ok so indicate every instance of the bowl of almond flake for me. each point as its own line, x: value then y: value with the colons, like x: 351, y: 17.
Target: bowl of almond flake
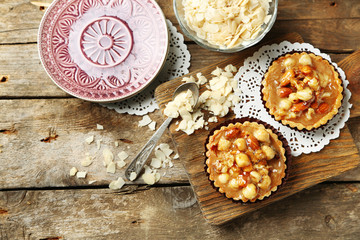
x: 226, y: 25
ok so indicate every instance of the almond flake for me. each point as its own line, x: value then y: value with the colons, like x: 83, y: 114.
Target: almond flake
x: 99, y: 127
x: 123, y: 155
x: 92, y: 181
x: 157, y: 177
x: 149, y: 178
x: 87, y: 161
x: 152, y: 126
x: 73, y: 171
x: 145, y: 121
x: 120, y: 164
x: 133, y: 176
x: 81, y: 174
x: 98, y: 144
x: 117, y: 184
x: 166, y: 149
x: 89, y: 140
x: 108, y: 156
x: 155, y: 163
x: 111, y: 168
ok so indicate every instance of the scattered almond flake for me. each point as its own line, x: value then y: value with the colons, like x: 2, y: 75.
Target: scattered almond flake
x: 148, y: 169
x: 111, y: 167
x: 120, y: 164
x: 99, y: 127
x: 157, y: 177
x: 166, y: 149
x: 98, y: 144
x: 92, y: 181
x: 123, y: 155
x: 81, y: 174
x: 149, y: 178
x: 117, y: 184
x: 218, y: 99
x: 73, y: 171
x: 217, y: 72
x: 155, y: 163
x: 89, y: 140
x: 163, y: 164
x: 116, y: 143
x: 188, y: 79
x: 206, y: 128
x: 108, y: 156
x: 87, y: 161
x: 171, y: 164
x: 160, y: 155
x: 133, y: 176
x: 145, y: 121
x: 152, y: 126
x: 176, y: 156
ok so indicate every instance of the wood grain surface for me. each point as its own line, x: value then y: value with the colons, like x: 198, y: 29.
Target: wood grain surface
x: 38, y: 200
x: 173, y: 213
x: 305, y: 171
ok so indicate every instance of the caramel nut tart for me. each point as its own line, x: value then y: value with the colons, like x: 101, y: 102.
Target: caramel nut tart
x: 302, y: 90
x: 245, y: 161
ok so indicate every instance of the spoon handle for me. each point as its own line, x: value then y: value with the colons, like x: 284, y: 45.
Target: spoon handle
x: 139, y: 161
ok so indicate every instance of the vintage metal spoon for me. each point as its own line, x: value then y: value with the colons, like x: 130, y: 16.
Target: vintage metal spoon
x: 139, y: 161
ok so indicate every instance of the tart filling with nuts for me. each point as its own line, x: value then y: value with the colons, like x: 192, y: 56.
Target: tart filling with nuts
x: 302, y: 90
x: 245, y: 161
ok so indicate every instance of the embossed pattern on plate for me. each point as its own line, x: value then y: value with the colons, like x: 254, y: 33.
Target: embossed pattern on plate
x: 102, y: 50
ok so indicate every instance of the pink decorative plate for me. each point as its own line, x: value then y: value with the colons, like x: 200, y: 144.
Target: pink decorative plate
x: 103, y: 50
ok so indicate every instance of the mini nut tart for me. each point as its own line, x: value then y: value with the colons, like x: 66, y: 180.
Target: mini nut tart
x: 302, y: 90
x: 245, y: 161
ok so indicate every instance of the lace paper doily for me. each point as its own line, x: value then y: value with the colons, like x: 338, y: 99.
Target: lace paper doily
x: 249, y: 80
x: 177, y: 64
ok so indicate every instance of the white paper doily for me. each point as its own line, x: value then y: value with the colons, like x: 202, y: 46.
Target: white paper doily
x: 249, y: 80
x: 177, y: 64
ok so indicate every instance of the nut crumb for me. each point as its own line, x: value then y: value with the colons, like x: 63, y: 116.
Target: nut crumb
x: 99, y: 127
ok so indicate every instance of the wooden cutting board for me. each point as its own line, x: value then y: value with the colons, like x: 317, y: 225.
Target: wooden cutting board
x: 305, y: 171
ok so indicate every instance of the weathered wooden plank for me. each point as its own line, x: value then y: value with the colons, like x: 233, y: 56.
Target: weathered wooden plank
x: 327, y: 211
x: 20, y: 20
x: 345, y: 33
x: 29, y: 161
x: 31, y: 80
x: 25, y: 76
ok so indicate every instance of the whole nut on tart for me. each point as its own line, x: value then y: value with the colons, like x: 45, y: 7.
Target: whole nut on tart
x: 305, y: 84
x: 259, y: 166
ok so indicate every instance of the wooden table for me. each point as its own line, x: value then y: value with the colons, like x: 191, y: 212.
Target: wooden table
x: 39, y: 200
